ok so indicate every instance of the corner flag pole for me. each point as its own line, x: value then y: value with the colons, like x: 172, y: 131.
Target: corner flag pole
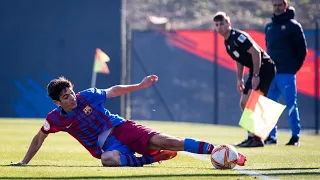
x: 93, y: 79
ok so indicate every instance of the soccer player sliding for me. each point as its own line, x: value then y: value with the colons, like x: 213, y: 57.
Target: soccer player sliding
x: 108, y: 136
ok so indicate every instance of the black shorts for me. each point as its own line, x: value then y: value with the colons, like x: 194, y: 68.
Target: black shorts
x: 267, y: 73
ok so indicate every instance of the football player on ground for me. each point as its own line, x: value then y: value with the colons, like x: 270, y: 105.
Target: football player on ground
x: 108, y: 136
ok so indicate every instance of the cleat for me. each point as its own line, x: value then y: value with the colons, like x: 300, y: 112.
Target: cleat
x: 253, y: 142
x: 270, y: 141
x: 294, y: 141
x: 164, y: 155
x: 244, y: 142
x: 241, y: 159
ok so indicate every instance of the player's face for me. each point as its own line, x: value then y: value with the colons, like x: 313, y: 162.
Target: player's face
x: 67, y: 99
x: 278, y: 7
x: 221, y: 27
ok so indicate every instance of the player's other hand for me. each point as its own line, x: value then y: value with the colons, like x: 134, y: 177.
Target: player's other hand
x: 148, y: 81
x: 17, y: 164
x: 240, y: 86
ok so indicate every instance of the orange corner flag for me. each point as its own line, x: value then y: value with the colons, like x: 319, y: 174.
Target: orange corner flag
x: 100, y: 59
x: 260, y: 115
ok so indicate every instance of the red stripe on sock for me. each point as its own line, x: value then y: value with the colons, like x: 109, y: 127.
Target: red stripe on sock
x: 141, y: 162
x: 147, y: 160
x: 128, y: 160
x: 201, y: 144
x: 134, y: 161
x: 210, y: 148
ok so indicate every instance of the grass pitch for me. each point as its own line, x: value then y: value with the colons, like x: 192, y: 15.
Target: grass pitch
x: 62, y: 157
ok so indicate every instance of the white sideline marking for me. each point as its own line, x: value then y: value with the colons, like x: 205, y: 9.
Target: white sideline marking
x: 243, y: 171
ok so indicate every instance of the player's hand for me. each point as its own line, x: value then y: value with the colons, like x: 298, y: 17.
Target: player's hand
x: 17, y: 164
x: 148, y: 81
x: 255, y: 82
x: 240, y: 86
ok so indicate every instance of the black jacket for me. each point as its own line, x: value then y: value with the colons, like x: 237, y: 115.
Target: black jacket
x: 286, y: 43
x: 237, y: 46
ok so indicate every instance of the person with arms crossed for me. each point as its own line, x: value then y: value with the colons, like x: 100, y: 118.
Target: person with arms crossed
x: 108, y: 136
x: 247, y: 53
x: 287, y: 46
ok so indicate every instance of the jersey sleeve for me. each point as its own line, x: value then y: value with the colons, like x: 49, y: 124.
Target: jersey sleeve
x: 48, y: 127
x: 94, y: 95
x: 244, y: 42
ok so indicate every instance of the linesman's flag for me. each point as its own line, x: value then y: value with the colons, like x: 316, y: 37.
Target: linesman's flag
x: 260, y: 115
x: 100, y: 59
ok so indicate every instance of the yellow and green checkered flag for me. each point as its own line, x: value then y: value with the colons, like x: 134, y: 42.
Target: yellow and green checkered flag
x: 260, y: 115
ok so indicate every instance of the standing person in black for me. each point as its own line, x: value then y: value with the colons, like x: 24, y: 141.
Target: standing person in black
x: 247, y: 53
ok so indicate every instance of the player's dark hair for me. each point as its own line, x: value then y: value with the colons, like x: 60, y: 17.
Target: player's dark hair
x: 56, y: 86
x: 285, y: 2
x: 221, y: 16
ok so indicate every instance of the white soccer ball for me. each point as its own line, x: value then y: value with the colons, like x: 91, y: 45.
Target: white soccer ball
x: 224, y: 156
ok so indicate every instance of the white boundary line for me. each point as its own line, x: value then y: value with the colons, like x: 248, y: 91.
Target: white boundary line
x: 243, y: 171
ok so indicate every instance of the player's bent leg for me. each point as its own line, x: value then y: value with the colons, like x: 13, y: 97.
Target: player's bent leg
x: 252, y: 140
x: 243, y: 101
x: 119, y: 154
x: 111, y: 158
x: 134, y: 161
x: 115, y: 158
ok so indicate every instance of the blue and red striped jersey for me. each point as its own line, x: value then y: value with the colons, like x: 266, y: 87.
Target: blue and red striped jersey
x: 86, y: 121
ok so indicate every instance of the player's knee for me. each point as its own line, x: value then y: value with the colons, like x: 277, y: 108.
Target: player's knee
x: 111, y: 159
x: 242, y: 105
x: 243, y: 102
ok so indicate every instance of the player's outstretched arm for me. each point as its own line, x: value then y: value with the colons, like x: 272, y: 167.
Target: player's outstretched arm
x: 35, y: 145
x: 119, y: 90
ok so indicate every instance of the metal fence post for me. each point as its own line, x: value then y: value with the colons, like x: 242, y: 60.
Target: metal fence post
x: 124, y: 67
x: 316, y: 71
x: 129, y: 45
x: 216, y: 79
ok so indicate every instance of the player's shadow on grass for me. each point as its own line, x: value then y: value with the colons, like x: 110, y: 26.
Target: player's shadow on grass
x: 47, y: 165
x: 147, y: 166
x: 163, y: 176
x: 178, y: 167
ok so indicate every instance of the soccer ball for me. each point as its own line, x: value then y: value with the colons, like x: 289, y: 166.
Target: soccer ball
x: 224, y: 156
